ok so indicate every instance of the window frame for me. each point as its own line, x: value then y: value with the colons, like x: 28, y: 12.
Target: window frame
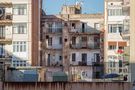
x: 21, y: 9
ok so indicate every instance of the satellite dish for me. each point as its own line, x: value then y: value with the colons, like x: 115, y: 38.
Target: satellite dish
x: 1, y: 12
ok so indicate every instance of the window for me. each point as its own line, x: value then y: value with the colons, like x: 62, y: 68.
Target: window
x: 112, y: 47
x: 115, y: 12
x: 60, y: 58
x: 50, y: 27
x: 115, y: 28
x: 83, y: 27
x: 2, y: 51
x: 84, y: 39
x: 20, y: 9
x: 2, y: 32
x: 112, y: 28
x: 60, y: 40
x: 73, y: 56
x: 84, y: 57
x: 73, y: 25
x: 58, y: 27
x: 19, y: 46
x: 20, y: 28
x: 73, y: 40
x: 121, y: 47
x: 19, y: 63
x: 120, y: 27
x: 97, y: 26
x: 50, y: 41
x: 96, y: 57
x: 120, y: 63
x: 112, y: 64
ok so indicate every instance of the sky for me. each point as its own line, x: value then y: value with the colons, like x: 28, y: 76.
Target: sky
x: 88, y: 6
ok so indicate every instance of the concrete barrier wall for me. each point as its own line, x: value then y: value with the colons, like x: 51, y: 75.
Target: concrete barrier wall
x: 1, y: 85
x: 67, y: 86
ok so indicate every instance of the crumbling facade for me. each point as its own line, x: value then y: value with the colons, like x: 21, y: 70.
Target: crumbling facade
x: 71, y: 43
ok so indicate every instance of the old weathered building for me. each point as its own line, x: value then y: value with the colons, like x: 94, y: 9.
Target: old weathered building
x: 71, y: 44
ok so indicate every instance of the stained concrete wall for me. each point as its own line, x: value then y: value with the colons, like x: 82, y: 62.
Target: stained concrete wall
x: 68, y: 86
x: 1, y: 86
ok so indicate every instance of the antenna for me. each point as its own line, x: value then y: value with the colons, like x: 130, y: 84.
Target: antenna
x: 79, y: 2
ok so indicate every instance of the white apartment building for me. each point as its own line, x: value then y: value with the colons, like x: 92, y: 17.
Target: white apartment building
x: 114, y: 44
x: 19, y: 32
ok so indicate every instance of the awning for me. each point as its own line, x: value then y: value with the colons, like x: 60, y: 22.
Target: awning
x: 122, y: 44
x: 112, y: 43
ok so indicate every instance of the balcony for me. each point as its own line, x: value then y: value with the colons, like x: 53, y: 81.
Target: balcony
x: 117, y: 67
x: 6, y: 19
x: 6, y: 58
x: 85, y: 46
x: 54, y: 47
x: 97, y: 64
x: 126, y: 7
x: 4, y: 40
x: 6, y: 3
x: 53, y: 30
x: 83, y: 31
x: 126, y: 3
x: 55, y: 63
x: 126, y: 30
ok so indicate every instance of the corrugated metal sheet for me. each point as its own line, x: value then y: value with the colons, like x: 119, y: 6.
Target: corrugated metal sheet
x: 68, y: 86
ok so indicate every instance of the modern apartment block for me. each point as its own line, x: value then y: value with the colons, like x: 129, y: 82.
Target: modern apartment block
x: 116, y: 25
x: 19, y: 32
x: 71, y: 44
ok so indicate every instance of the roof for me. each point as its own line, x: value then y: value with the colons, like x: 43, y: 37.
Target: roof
x: 74, y: 16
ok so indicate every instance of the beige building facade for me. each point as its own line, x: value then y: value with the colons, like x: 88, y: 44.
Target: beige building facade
x: 132, y: 38
x: 116, y: 37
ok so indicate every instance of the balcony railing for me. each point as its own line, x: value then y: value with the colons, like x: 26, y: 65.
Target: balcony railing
x: 6, y: 58
x: 96, y: 64
x: 54, y: 46
x: 86, y: 30
x: 54, y: 30
x: 55, y: 63
x: 5, y: 40
x: 85, y: 46
x: 126, y: 32
x: 6, y: 3
x: 6, y: 19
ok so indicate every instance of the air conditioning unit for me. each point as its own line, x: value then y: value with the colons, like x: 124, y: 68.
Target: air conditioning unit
x: 2, y: 13
x: 8, y: 17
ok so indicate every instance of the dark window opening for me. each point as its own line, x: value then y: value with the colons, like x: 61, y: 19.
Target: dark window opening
x: 65, y: 39
x: 73, y: 56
